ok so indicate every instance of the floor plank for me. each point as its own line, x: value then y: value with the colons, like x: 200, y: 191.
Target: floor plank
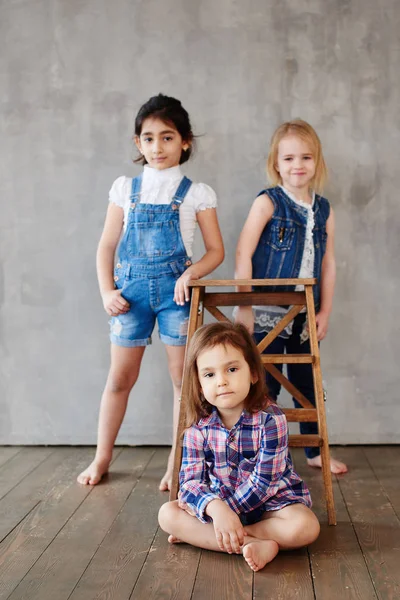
x: 114, y: 569
x: 385, y: 464
x: 223, y: 577
x: 40, y: 484
x: 338, y: 566
x: 169, y: 571
x: 55, y: 573
x: 287, y: 577
x: 20, y: 465
x: 29, y: 539
x: 375, y: 522
x: 7, y: 452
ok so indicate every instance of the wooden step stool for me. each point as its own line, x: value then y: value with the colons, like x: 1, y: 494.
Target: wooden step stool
x: 202, y: 299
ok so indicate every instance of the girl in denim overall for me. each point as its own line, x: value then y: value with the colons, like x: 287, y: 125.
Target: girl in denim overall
x: 289, y: 233
x: 157, y: 213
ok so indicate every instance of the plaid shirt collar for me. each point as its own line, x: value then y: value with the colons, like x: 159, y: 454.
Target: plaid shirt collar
x: 214, y: 420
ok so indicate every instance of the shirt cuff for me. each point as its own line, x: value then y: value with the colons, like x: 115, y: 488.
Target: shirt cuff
x: 202, y: 505
x: 232, y: 504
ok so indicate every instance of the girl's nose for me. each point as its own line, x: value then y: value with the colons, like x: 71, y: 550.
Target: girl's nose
x: 221, y: 380
x: 157, y: 146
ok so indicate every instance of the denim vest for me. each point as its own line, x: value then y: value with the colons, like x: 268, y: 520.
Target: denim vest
x: 280, y: 248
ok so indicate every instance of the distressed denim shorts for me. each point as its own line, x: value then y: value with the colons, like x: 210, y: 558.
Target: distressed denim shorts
x: 150, y: 299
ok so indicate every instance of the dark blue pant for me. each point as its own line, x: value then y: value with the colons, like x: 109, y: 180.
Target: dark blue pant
x: 298, y: 374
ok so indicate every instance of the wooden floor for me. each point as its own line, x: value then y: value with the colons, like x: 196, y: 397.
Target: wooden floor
x: 60, y: 540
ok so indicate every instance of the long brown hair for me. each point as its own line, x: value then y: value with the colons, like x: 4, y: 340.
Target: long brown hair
x: 304, y: 131
x: 225, y: 334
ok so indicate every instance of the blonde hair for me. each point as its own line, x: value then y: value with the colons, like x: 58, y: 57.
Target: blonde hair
x: 304, y: 131
x: 225, y: 334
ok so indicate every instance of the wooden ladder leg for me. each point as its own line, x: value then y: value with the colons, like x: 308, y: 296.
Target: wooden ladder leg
x: 319, y: 400
x: 194, y: 319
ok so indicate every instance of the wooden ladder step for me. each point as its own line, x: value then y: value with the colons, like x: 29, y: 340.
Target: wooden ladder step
x: 301, y: 415
x: 305, y: 440
x: 287, y: 359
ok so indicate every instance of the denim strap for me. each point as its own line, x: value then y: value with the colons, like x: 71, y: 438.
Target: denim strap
x: 182, y: 190
x: 136, y: 187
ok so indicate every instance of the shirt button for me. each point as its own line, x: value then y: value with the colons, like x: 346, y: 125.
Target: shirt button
x: 116, y: 278
x: 133, y: 205
x: 174, y: 207
x: 187, y: 263
x: 119, y: 266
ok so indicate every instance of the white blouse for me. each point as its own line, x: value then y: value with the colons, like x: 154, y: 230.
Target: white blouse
x: 267, y: 317
x: 159, y: 187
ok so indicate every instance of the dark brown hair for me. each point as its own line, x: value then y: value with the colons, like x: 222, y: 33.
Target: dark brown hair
x: 225, y: 334
x: 169, y: 110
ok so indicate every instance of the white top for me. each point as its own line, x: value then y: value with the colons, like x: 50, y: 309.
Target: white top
x: 159, y: 187
x: 266, y: 317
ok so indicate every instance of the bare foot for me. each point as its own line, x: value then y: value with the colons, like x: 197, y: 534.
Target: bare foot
x: 93, y: 474
x: 336, y: 465
x: 174, y: 540
x: 166, y: 482
x: 260, y: 552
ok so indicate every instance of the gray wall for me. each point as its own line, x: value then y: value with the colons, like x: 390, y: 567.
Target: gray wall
x: 73, y: 74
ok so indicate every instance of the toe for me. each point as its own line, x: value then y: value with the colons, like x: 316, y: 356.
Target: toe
x: 83, y: 479
x: 94, y: 480
x: 165, y: 485
x: 338, y: 467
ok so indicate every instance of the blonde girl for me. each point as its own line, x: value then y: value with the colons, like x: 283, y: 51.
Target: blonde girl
x: 289, y: 233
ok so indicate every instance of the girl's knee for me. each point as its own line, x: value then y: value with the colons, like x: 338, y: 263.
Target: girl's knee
x: 167, y: 514
x: 307, y: 528
x: 313, y: 529
x: 177, y: 384
x: 176, y: 378
x: 175, y: 369
x: 122, y: 381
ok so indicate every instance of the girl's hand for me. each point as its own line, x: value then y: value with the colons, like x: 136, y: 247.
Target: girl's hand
x: 114, y: 304
x: 227, y: 526
x: 322, y: 320
x: 182, y: 290
x: 184, y: 506
x: 244, y: 315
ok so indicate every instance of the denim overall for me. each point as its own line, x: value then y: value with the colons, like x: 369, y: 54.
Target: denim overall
x: 278, y: 255
x: 152, y: 256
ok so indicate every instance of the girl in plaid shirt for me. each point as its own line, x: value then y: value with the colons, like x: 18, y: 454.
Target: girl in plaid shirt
x: 238, y: 490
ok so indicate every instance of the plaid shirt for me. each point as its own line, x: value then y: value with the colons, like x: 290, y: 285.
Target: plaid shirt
x: 249, y: 467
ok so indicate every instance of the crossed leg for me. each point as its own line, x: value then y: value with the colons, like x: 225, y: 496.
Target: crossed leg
x: 291, y: 527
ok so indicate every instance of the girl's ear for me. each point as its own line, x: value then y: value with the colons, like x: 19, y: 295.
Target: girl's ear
x: 138, y: 144
x: 185, y: 146
x: 254, y: 378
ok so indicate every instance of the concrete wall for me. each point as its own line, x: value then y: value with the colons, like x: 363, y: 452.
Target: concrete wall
x: 73, y: 74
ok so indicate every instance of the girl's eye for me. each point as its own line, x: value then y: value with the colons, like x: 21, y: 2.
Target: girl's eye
x: 208, y: 375
x: 148, y: 139
x: 168, y: 139
x: 232, y: 369
x: 288, y: 158
x: 307, y: 157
